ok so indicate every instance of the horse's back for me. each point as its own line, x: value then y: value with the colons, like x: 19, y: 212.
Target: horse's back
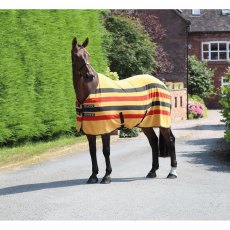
x: 131, y: 82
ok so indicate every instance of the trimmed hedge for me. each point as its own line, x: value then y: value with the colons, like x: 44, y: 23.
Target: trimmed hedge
x: 37, y: 99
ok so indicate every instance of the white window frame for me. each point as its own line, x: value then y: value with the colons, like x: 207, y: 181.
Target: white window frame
x: 195, y: 12
x: 225, y: 12
x: 209, y: 51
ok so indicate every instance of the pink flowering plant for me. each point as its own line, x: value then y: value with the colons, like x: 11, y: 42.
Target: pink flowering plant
x: 195, y: 110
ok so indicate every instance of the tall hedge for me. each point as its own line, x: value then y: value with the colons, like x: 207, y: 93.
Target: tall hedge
x: 37, y: 99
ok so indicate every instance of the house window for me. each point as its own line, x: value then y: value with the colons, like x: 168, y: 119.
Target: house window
x: 181, y: 101
x: 216, y: 51
x: 225, y: 12
x: 196, y: 12
x: 175, y: 102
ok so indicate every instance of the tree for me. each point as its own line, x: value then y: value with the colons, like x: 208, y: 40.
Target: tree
x: 200, y: 78
x: 130, y: 51
x: 157, y: 34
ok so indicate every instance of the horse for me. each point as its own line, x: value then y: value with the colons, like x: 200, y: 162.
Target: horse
x: 91, y: 119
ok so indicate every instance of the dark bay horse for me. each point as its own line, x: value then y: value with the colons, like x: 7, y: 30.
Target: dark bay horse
x: 86, y: 81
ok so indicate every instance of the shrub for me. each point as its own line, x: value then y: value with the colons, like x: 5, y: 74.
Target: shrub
x: 111, y: 75
x: 196, y: 107
x: 130, y: 51
x: 200, y: 78
x: 134, y: 132
x: 225, y: 102
x: 195, y: 110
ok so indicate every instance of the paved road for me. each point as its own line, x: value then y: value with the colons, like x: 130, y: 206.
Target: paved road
x: 56, y: 189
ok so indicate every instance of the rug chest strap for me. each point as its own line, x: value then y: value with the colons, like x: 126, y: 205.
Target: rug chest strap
x: 122, y: 120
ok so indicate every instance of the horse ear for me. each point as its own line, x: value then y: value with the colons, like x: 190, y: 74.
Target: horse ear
x: 74, y: 42
x: 86, y: 42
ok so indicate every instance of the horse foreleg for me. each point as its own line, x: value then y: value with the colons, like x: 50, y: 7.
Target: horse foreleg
x: 106, y: 152
x: 92, y: 149
x: 170, y: 141
x: 153, y: 141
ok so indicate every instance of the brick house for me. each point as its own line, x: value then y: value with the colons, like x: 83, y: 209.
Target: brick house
x: 209, y: 40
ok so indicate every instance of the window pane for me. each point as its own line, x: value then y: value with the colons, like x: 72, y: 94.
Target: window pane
x: 223, y: 55
x: 205, y: 56
x: 214, y: 46
x: 225, y: 11
x: 214, y: 56
x: 196, y: 12
x: 222, y: 46
x: 205, y: 47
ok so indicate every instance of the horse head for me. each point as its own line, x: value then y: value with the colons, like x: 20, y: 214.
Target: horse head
x: 80, y: 57
x: 85, y: 78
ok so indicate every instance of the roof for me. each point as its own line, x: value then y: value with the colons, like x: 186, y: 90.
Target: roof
x: 208, y: 20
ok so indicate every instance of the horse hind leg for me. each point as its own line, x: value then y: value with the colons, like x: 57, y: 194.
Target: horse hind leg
x: 169, y: 140
x: 153, y: 141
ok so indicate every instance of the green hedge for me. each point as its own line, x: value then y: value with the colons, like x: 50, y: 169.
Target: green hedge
x: 37, y: 99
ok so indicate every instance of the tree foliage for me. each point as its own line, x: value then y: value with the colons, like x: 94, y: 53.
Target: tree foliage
x: 130, y: 51
x: 200, y: 78
x: 157, y: 34
x: 225, y: 102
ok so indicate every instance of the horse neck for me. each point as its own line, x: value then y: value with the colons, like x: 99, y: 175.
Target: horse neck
x: 83, y: 88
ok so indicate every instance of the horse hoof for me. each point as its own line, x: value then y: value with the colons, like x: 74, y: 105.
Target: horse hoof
x: 92, y: 180
x: 106, y: 180
x: 151, y: 175
x: 171, y: 176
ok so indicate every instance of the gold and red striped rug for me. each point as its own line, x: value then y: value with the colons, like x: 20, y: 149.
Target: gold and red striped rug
x: 143, y: 100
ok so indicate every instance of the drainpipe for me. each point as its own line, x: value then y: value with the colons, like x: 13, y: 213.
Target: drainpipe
x: 188, y: 23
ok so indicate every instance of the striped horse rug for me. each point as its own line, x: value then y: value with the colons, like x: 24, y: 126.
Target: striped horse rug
x: 142, y: 101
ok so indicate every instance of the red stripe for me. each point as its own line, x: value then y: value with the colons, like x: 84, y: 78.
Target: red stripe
x: 127, y: 98
x: 159, y: 112
x: 126, y: 116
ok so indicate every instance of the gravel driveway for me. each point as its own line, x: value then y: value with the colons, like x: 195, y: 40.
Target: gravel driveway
x: 56, y: 189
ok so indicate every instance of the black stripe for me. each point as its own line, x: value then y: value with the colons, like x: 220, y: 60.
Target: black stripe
x: 131, y: 90
x: 127, y: 107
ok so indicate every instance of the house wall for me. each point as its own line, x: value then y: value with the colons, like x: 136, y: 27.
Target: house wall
x: 194, y: 43
x: 179, y: 104
x: 175, y: 44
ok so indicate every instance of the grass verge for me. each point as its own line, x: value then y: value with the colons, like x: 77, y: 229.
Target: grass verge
x: 15, y: 155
